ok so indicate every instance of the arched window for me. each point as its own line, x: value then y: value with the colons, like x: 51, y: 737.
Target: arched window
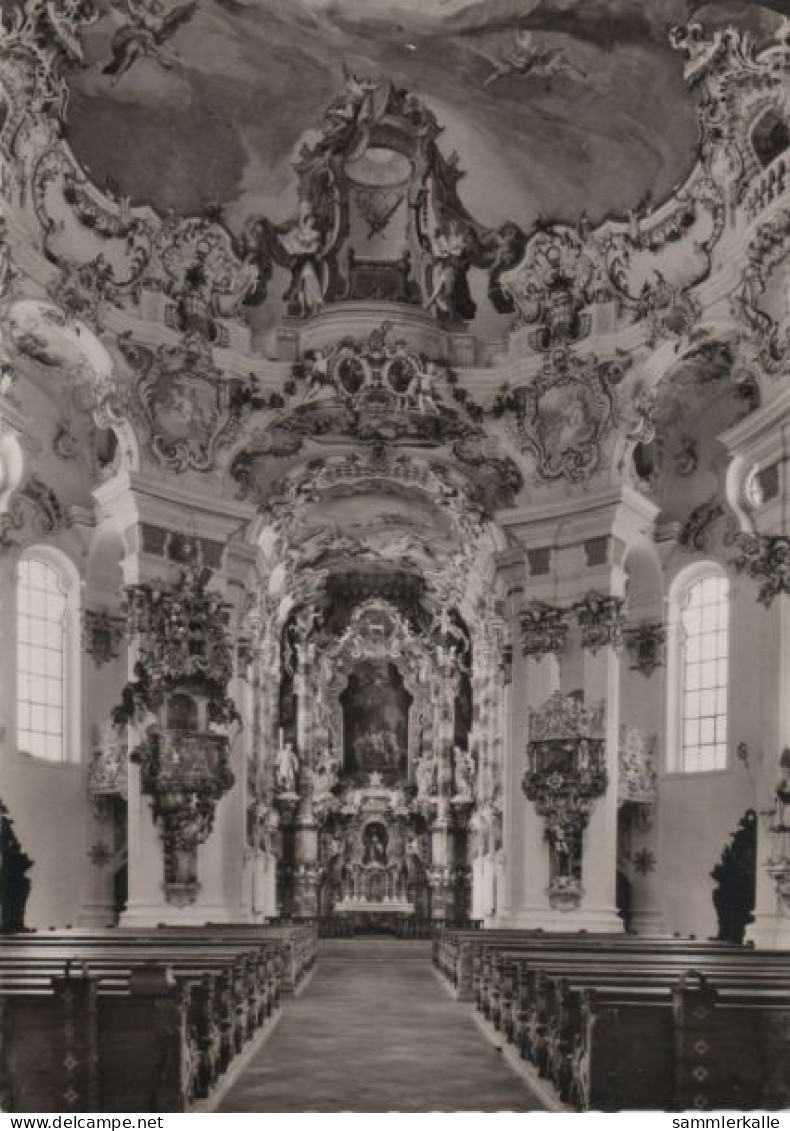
x: 47, y: 656
x: 699, y: 689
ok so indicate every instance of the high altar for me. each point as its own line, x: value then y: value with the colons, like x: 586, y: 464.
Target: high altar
x: 374, y: 814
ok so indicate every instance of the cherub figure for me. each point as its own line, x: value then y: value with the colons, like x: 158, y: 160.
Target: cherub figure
x: 527, y: 58
x: 422, y: 388
x: 146, y: 33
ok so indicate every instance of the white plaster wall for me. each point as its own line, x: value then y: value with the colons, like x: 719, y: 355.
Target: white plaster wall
x: 48, y: 804
x: 699, y: 812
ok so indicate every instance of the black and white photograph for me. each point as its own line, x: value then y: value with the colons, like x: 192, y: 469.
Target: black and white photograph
x: 394, y: 557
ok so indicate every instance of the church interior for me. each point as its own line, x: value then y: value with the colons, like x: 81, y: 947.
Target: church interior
x: 394, y: 555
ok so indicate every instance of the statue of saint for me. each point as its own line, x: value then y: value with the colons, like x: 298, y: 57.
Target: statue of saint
x: 414, y: 848
x: 464, y: 772
x: 375, y: 845
x: 325, y: 776
x: 424, y: 773
x: 287, y: 769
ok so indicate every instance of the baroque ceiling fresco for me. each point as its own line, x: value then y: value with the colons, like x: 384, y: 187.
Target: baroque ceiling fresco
x: 558, y: 108
x: 377, y: 273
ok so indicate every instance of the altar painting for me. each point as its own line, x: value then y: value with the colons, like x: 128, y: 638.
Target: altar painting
x: 376, y: 709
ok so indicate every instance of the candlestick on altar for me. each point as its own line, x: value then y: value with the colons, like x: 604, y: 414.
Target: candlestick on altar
x: 281, y: 738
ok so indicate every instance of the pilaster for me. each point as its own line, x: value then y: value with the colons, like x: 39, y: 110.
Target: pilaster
x: 567, y: 611
x: 158, y: 524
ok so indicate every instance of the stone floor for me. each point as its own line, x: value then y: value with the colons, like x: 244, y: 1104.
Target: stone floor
x: 375, y: 1031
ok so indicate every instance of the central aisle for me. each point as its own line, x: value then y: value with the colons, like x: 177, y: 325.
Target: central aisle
x: 375, y: 1031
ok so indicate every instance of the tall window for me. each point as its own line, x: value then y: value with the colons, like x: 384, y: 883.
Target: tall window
x: 703, y: 651
x: 44, y: 648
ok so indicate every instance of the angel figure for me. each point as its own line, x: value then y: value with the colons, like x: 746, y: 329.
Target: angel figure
x: 147, y: 31
x: 303, y: 243
x: 449, y: 263
x: 527, y: 58
x: 302, y: 246
x: 348, y: 119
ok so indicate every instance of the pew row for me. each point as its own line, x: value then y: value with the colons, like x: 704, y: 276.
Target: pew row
x: 455, y: 952
x: 621, y: 1024
x: 91, y: 1023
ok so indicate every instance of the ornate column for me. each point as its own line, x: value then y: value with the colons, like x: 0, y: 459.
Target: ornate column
x: 487, y: 818
x: 481, y: 898
x: 512, y: 867
x: 642, y: 742
x: 443, y: 732
x: 262, y: 815
x: 543, y: 636
x: 601, y: 620
x: 240, y: 853
x: 305, y: 824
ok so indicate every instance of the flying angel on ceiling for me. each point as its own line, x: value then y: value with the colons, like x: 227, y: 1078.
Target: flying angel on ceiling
x: 527, y: 58
x: 148, y: 28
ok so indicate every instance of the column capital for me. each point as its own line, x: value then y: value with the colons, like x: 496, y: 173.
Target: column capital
x: 601, y: 619
x: 544, y: 629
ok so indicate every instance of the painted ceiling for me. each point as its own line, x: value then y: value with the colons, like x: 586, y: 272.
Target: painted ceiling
x: 377, y: 446
x: 555, y: 106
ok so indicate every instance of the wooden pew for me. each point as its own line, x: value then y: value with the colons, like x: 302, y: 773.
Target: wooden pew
x: 80, y: 1049
x: 579, y: 1005
x: 244, y: 988
x: 616, y: 1035
x: 697, y: 1051
x: 194, y: 1000
x: 495, y: 991
x: 455, y: 952
x: 297, y: 940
